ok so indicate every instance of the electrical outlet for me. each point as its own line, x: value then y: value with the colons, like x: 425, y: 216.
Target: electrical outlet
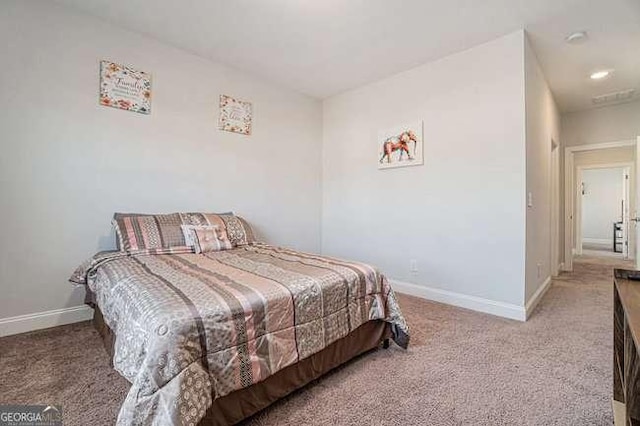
x: 413, y: 266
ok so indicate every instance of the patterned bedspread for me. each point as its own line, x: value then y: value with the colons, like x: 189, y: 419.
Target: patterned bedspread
x: 192, y: 327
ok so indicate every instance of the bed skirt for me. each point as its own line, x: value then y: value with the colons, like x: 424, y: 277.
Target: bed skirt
x: 246, y: 402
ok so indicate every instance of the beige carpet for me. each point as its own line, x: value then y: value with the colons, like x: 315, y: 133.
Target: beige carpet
x: 463, y: 368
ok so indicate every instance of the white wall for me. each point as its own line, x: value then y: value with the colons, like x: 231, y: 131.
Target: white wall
x: 601, y: 203
x: 461, y: 215
x: 606, y: 124
x: 542, y: 126
x: 67, y: 163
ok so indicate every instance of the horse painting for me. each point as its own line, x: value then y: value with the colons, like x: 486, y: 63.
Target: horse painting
x: 399, y: 143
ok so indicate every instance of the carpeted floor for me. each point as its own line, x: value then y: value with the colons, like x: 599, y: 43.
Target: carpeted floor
x: 462, y: 368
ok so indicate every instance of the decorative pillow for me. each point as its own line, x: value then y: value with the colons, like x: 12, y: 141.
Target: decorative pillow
x: 140, y: 231
x: 143, y: 232
x: 238, y: 230
x: 210, y: 238
x: 190, y: 237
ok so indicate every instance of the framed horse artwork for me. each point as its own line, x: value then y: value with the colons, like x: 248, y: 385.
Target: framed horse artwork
x: 400, y: 146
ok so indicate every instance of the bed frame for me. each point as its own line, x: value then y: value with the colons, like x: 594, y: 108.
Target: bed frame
x: 246, y: 402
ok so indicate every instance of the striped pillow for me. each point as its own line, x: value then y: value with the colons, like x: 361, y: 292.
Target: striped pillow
x: 238, y: 230
x: 143, y: 231
x: 140, y: 231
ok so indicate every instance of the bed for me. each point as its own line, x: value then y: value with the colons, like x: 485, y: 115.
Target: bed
x: 213, y: 327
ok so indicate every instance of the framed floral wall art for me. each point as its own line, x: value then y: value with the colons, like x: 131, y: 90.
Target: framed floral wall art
x: 125, y: 88
x: 235, y: 115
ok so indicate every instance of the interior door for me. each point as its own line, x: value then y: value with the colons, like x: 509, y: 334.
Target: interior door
x: 636, y: 213
x: 625, y: 211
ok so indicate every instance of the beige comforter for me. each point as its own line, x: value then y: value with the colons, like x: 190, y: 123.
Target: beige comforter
x: 192, y: 327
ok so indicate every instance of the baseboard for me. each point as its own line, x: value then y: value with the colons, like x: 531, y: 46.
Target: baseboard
x: 537, y: 297
x: 619, y: 413
x: 40, y: 320
x: 603, y: 241
x: 488, y: 306
x: 564, y: 267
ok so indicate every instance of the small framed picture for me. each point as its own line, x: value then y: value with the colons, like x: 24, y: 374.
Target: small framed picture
x: 235, y: 115
x: 400, y: 146
x: 125, y: 88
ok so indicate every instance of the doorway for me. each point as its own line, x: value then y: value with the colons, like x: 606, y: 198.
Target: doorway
x: 602, y: 211
x: 610, y: 155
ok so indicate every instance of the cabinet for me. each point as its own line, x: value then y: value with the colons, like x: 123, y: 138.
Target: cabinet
x: 626, y: 334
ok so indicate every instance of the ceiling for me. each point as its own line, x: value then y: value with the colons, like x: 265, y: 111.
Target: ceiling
x: 324, y: 47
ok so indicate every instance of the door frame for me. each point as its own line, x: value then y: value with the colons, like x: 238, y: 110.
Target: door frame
x: 569, y: 190
x: 626, y: 167
x: 634, y: 213
x: 555, y: 208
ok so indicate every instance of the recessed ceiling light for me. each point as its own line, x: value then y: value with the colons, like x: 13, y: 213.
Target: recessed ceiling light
x: 577, y: 37
x: 599, y: 75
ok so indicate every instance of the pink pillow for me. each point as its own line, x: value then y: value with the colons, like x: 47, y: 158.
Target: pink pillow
x: 210, y: 238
